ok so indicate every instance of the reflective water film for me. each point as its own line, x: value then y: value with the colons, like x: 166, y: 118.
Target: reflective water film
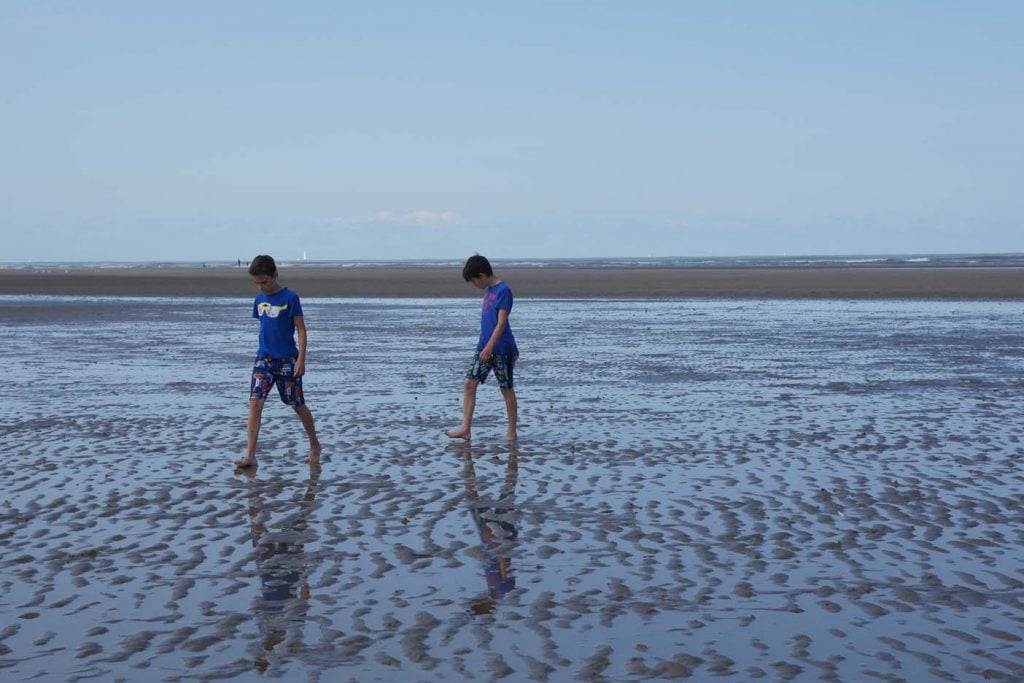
x: 735, y: 489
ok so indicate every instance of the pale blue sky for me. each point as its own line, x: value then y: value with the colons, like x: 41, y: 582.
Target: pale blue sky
x: 218, y: 130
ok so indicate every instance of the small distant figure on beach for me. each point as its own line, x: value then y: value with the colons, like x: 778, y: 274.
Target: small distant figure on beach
x: 279, y: 360
x: 496, y: 349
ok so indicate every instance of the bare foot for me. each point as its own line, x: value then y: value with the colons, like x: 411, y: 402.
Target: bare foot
x: 511, y: 436
x: 460, y: 433
x: 314, y: 453
x: 247, y: 472
x: 244, y: 463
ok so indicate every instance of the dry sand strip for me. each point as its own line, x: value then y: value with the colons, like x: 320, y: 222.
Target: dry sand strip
x: 856, y: 283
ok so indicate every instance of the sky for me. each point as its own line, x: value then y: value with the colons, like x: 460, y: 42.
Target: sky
x: 203, y: 131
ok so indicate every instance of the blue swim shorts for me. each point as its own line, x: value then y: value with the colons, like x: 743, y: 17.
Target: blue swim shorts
x: 267, y: 371
x: 502, y: 364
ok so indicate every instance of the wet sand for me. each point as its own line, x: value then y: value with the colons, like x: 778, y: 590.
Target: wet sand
x: 854, y: 282
x: 705, y: 489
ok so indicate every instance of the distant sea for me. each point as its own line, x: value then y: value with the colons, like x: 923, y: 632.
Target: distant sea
x: 848, y: 261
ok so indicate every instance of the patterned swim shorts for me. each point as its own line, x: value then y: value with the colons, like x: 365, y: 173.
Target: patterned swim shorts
x: 502, y: 364
x: 266, y: 372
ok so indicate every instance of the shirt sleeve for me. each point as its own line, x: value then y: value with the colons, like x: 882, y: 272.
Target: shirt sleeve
x: 255, y: 309
x: 503, y: 302
x: 296, y: 306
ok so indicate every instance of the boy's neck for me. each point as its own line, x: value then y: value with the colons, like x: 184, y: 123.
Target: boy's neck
x: 493, y: 280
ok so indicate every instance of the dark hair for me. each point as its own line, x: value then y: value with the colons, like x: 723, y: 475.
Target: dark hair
x: 263, y: 265
x: 476, y: 265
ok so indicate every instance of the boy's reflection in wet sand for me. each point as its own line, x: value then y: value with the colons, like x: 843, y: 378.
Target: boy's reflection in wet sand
x: 494, y: 519
x: 283, y: 569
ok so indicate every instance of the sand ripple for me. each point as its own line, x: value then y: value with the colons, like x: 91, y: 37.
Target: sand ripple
x: 736, y: 489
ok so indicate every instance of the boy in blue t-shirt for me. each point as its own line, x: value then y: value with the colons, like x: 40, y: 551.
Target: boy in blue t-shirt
x: 495, y: 350
x: 279, y: 359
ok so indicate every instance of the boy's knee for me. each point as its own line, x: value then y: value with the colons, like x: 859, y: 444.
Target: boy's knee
x: 471, y: 384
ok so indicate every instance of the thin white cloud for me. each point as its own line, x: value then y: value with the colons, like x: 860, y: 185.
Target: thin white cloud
x: 418, y: 219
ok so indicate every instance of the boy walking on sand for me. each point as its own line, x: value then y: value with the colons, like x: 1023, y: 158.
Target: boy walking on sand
x: 279, y: 360
x: 496, y: 349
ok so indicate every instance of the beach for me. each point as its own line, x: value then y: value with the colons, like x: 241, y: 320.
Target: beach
x: 709, y: 488
x: 865, y: 282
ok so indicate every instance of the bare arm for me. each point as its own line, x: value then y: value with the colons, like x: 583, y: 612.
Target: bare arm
x: 300, y: 330
x: 486, y: 352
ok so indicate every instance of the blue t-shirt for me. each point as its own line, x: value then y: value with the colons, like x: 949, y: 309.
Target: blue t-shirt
x: 496, y: 298
x: 276, y: 313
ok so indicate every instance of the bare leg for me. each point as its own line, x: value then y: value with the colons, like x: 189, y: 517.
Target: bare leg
x: 307, y: 423
x: 252, y: 432
x: 464, y: 431
x: 512, y: 408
